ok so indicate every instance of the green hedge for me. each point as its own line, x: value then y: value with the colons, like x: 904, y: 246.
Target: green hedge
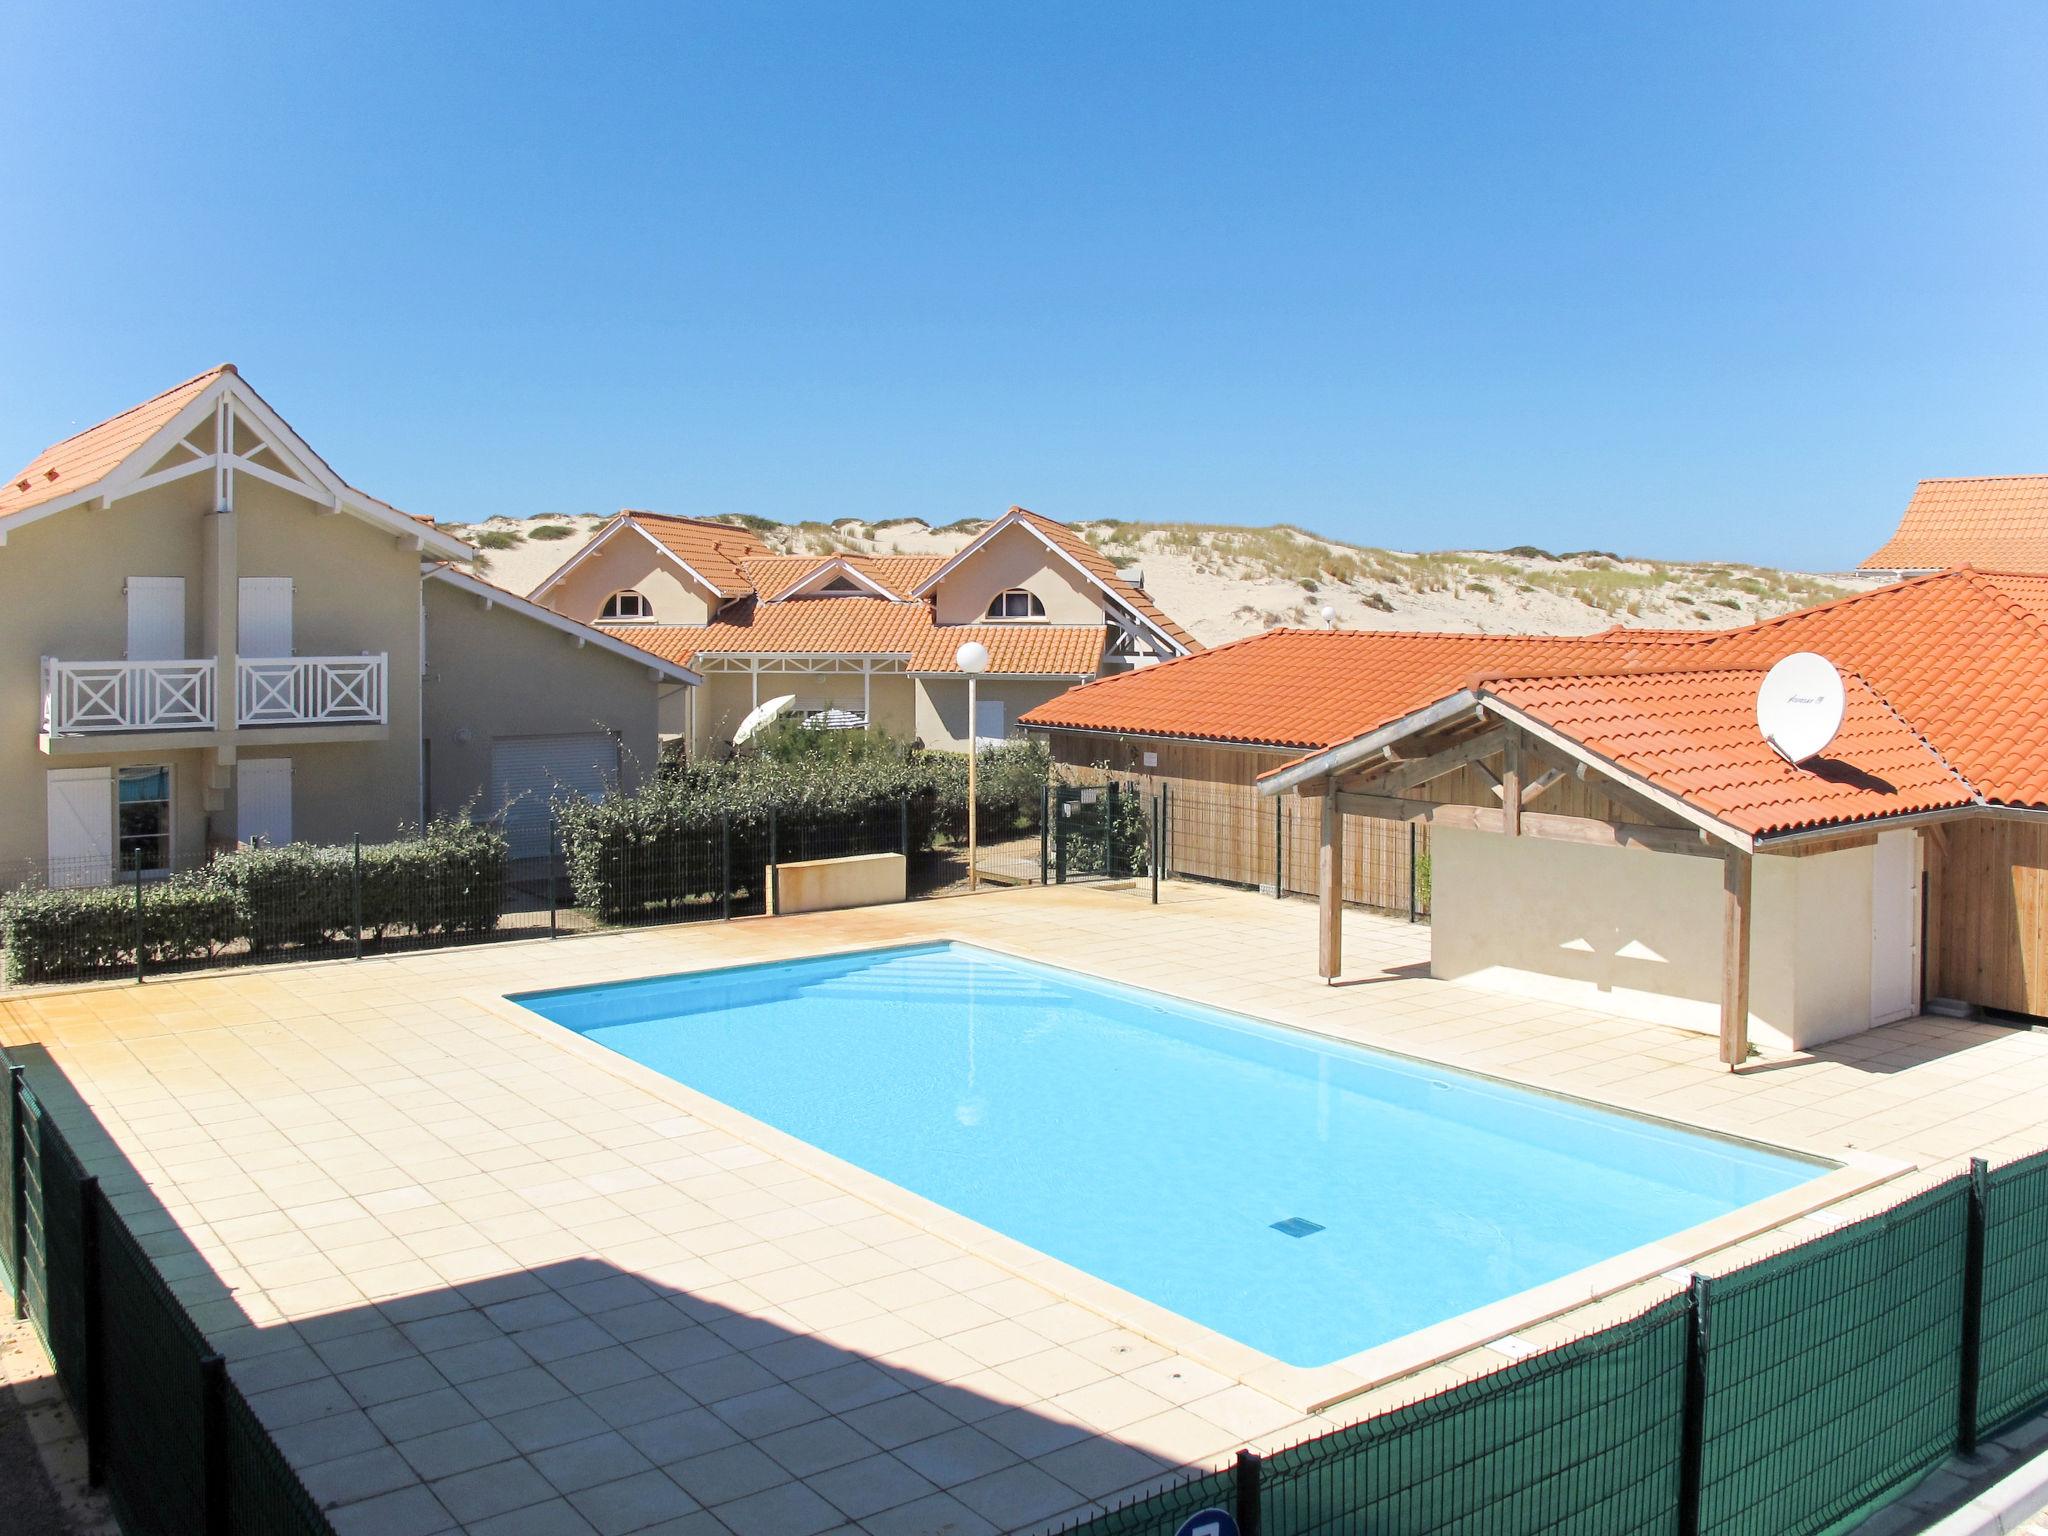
x: 449, y: 879
x: 660, y: 850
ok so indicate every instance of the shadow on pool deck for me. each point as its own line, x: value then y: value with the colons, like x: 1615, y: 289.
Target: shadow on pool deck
x: 575, y: 1397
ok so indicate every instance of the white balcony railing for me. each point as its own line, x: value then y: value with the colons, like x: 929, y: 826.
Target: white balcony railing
x: 95, y: 698
x: 311, y: 690
x: 89, y: 697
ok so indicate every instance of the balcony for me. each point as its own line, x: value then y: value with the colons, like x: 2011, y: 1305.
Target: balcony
x: 118, y: 698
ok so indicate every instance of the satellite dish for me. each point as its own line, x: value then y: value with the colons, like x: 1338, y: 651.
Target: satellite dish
x: 1799, y: 707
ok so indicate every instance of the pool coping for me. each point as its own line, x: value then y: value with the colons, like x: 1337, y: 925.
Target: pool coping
x: 1305, y: 1389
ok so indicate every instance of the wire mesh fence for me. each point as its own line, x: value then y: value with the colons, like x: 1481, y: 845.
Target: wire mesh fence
x: 1791, y: 1395
x: 463, y: 886
x: 168, y: 1434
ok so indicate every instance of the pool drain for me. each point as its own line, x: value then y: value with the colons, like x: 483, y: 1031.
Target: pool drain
x: 1297, y: 1226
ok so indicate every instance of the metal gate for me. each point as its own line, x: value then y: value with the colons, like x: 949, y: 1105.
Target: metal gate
x: 1090, y: 832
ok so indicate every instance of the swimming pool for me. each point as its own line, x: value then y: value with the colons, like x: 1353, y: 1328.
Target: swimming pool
x: 1308, y: 1198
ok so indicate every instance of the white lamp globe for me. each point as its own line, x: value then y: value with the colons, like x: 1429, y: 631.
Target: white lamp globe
x: 972, y: 656
x: 1329, y: 616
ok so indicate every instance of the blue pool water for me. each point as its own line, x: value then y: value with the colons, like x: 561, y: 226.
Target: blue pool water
x: 1158, y: 1144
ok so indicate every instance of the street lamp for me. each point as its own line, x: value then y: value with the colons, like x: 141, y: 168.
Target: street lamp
x: 972, y: 658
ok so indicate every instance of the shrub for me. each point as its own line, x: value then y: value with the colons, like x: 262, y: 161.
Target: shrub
x: 1121, y: 828
x: 551, y: 531
x: 449, y: 878
x: 497, y: 538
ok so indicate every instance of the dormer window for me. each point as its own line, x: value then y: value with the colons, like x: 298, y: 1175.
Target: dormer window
x: 842, y: 586
x: 626, y: 608
x: 1016, y: 604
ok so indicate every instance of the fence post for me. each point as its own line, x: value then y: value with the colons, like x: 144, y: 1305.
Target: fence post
x: 1249, y: 1505
x: 1411, y: 871
x: 139, y: 945
x: 1279, y: 842
x: 1044, y: 834
x: 1165, y: 822
x: 725, y: 864
x: 92, y: 1305
x: 1692, y: 1431
x: 1059, y: 847
x: 903, y: 824
x: 1109, y: 835
x: 554, y: 853
x: 17, y: 1151
x: 213, y: 1443
x: 1153, y: 859
x: 1973, y: 1309
x: 355, y: 895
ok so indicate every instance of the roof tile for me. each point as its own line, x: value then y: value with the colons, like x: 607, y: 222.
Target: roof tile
x: 1995, y: 521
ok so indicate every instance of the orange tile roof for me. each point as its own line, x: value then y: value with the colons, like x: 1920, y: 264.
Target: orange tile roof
x: 1694, y: 734
x: 81, y: 459
x: 774, y: 575
x: 1998, y: 522
x: 1962, y: 658
x: 1098, y: 565
x: 714, y: 551
x: 1310, y: 688
x: 873, y: 626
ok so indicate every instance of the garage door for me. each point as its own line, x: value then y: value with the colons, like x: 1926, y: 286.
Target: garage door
x: 529, y: 772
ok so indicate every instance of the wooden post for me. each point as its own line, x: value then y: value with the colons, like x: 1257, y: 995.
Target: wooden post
x: 1735, y: 911
x: 1511, y: 786
x: 1330, y: 886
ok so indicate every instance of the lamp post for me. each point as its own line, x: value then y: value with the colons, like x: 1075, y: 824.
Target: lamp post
x: 972, y: 658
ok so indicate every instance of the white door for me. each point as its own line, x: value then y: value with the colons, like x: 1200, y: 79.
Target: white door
x: 263, y: 801
x: 156, y: 618
x: 1895, y: 927
x: 989, y: 722
x: 81, y: 819
x: 529, y: 772
x: 264, y: 617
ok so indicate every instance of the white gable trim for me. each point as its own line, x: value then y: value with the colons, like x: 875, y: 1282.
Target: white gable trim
x: 132, y: 474
x: 582, y: 634
x: 837, y: 567
x: 1017, y: 519
x: 605, y: 536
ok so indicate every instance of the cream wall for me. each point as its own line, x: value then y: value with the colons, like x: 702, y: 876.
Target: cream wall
x: 1016, y: 557
x: 629, y: 561
x: 499, y: 673
x: 727, y: 698
x: 942, y: 705
x: 1639, y: 934
x: 356, y: 590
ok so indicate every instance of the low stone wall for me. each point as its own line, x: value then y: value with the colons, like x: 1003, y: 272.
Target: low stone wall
x: 821, y: 885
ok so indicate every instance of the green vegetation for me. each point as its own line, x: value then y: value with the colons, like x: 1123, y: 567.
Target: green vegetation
x: 551, y: 531
x: 497, y: 538
x: 449, y: 878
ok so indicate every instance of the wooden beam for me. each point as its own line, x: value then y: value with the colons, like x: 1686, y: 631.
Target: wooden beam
x: 1736, y: 872
x: 1511, y: 787
x: 1330, y: 887
x: 1550, y: 777
x: 1563, y: 829
x: 1393, y: 778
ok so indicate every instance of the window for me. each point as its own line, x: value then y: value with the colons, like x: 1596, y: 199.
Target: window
x: 626, y: 606
x: 1016, y: 604
x: 143, y: 817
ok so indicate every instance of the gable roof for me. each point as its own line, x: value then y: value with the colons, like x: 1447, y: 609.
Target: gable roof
x: 1092, y: 564
x: 874, y: 626
x: 85, y: 458
x: 1997, y: 522
x: 108, y: 460
x: 1693, y: 733
x: 1943, y: 675
x: 589, y: 634
x: 1308, y: 687
x: 776, y: 576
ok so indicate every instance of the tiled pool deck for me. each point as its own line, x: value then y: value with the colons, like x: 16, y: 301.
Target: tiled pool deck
x: 476, y: 1279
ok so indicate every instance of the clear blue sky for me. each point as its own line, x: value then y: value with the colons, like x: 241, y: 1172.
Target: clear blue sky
x: 1714, y: 281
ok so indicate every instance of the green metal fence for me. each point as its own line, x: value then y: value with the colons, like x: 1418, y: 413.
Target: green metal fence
x: 1788, y: 1396
x: 168, y: 1433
